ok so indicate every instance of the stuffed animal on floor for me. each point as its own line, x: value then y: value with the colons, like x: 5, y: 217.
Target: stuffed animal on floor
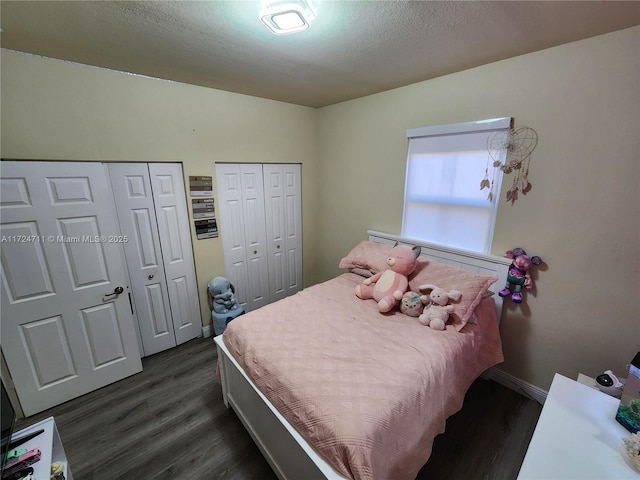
x: 437, y: 310
x: 221, y: 295
x: 518, y: 275
x: 388, y: 287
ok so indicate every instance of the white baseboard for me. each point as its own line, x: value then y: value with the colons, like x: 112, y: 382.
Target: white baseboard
x: 206, y: 331
x: 528, y: 390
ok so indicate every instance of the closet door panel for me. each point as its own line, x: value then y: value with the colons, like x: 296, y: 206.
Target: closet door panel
x: 284, y: 229
x: 255, y: 237
x: 167, y: 183
x: 275, y: 222
x: 231, y: 221
x: 293, y: 233
x: 136, y: 212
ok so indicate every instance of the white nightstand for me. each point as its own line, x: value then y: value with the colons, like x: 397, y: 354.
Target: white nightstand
x: 577, y: 437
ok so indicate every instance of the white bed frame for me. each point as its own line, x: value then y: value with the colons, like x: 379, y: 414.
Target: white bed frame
x: 289, y: 455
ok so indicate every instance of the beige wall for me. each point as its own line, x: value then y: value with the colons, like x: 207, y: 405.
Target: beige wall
x: 54, y: 110
x: 581, y: 216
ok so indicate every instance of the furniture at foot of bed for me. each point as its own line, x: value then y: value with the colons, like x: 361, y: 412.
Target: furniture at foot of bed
x: 287, y: 451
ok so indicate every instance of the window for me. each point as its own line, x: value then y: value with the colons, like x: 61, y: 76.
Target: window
x: 443, y: 202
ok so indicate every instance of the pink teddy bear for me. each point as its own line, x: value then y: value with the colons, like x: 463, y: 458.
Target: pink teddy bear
x: 388, y: 287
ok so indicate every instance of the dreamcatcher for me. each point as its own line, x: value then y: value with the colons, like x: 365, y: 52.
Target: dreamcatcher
x: 515, y: 146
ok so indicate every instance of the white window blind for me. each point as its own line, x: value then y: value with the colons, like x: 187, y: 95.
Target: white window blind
x: 443, y: 202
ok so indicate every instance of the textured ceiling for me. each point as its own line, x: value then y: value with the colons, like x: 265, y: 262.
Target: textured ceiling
x: 353, y: 48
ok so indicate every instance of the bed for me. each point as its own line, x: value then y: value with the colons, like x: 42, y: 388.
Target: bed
x: 329, y: 388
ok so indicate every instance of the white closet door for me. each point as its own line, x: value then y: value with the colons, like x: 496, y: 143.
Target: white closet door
x: 255, y: 236
x: 65, y: 330
x: 137, y: 216
x: 169, y: 197
x: 283, y: 229
x: 242, y: 224
x: 231, y: 226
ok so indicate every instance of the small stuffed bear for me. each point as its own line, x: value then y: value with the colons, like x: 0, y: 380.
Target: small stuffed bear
x: 518, y: 275
x: 437, y: 311
x: 388, y: 287
x: 221, y: 297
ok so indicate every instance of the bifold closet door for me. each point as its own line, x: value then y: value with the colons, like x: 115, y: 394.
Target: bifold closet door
x: 136, y: 211
x: 169, y: 198
x: 151, y: 206
x: 241, y: 211
x: 261, y: 230
x: 283, y: 219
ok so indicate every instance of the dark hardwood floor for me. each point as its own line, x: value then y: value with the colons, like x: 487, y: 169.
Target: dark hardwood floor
x: 169, y: 422
x: 487, y: 439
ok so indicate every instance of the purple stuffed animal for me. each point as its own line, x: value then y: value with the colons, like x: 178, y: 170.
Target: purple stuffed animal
x: 519, y: 275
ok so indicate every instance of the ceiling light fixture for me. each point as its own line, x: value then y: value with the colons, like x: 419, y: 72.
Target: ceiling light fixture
x: 287, y: 16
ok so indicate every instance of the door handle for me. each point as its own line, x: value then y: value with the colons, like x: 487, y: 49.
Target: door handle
x: 116, y: 291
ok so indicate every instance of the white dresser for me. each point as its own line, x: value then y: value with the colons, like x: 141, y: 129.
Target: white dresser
x: 577, y: 437
x: 49, y: 444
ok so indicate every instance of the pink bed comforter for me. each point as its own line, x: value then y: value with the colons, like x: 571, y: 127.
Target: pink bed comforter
x: 368, y: 391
